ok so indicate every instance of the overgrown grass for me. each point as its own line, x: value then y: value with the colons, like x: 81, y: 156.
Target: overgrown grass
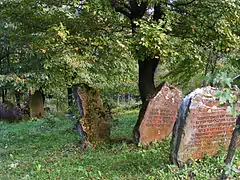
x: 48, y: 149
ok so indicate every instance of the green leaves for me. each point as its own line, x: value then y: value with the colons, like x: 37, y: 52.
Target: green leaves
x: 227, y: 94
x: 87, y: 42
x: 68, y: 42
x: 151, y: 40
x: 233, y: 110
x: 222, y: 80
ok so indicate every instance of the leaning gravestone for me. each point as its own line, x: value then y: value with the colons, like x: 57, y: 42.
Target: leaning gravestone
x: 202, y: 127
x: 95, y: 121
x: 160, y: 115
x: 36, y: 105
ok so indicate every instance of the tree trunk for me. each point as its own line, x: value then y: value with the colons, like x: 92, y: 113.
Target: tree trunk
x: 3, y: 95
x: 17, y: 95
x: 70, y: 98
x: 136, y: 10
x: 146, y: 89
x: 146, y: 78
x: 95, y: 119
x: 232, y: 148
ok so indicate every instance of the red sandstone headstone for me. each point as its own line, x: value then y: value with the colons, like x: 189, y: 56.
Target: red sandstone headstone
x: 206, y: 128
x: 160, y: 115
x: 36, y: 105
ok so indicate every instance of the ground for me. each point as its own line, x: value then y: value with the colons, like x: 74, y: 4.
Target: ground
x: 48, y: 149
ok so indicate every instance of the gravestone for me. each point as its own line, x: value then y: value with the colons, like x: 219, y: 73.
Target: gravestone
x: 36, y: 104
x: 160, y: 115
x: 203, y: 127
x: 94, y: 122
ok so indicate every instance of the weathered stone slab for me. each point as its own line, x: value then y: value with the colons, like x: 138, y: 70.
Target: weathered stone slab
x: 203, y: 127
x: 36, y: 104
x: 160, y: 115
x: 95, y: 122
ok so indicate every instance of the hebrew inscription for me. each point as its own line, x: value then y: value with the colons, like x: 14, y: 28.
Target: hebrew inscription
x: 208, y: 127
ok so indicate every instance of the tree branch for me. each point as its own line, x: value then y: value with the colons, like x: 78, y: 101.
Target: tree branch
x: 180, y: 4
x: 158, y: 12
x: 121, y: 9
x: 132, y: 10
x: 4, y: 56
x: 142, y: 8
x: 133, y: 5
x: 124, y: 12
x: 127, y: 6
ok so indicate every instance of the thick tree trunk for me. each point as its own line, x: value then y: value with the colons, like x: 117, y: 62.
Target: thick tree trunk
x: 146, y: 89
x: 95, y: 119
x: 146, y: 78
x: 135, y: 10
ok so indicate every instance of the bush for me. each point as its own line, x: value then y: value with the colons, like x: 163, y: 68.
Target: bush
x: 10, y: 113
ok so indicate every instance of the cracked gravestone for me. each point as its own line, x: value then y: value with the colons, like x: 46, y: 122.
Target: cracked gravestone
x: 203, y: 127
x: 160, y: 115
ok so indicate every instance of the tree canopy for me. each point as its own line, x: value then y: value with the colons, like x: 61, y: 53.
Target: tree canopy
x: 99, y: 42
x: 67, y: 43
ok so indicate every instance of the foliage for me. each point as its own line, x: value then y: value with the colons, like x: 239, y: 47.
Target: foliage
x: 74, y: 42
x: 48, y: 42
x: 227, y: 93
x: 191, y: 39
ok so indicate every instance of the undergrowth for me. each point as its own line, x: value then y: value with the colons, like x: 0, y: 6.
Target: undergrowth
x: 49, y: 149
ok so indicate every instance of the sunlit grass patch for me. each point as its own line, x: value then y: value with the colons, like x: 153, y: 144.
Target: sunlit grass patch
x: 49, y: 149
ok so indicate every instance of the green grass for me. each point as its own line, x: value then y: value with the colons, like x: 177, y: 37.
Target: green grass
x: 48, y: 149
x: 123, y: 124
